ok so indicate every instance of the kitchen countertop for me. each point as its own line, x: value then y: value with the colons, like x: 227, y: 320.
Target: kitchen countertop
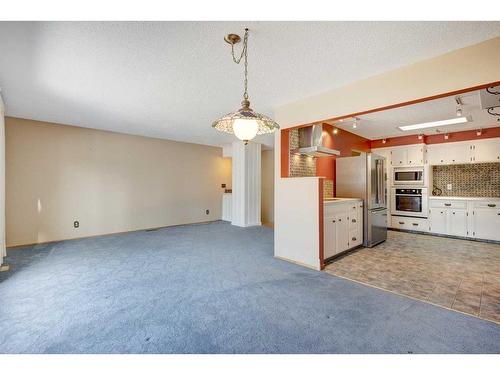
x: 464, y: 198
x: 340, y: 200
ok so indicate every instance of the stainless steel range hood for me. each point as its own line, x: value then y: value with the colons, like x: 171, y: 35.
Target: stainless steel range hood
x: 311, y: 143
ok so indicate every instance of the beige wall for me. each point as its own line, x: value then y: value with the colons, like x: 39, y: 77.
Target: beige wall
x: 107, y: 181
x: 267, y: 195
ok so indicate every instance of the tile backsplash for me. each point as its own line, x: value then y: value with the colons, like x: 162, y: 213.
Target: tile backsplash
x: 300, y: 165
x: 468, y: 180
x: 328, y: 188
x: 305, y: 166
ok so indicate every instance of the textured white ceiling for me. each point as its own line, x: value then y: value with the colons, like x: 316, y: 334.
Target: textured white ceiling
x: 384, y: 124
x: 172, y: 79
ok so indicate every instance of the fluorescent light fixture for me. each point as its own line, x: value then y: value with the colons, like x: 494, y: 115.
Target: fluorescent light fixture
x: 433, y: 124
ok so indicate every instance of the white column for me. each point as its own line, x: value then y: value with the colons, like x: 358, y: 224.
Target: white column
x: 246, y: 184
x: 2, y: 181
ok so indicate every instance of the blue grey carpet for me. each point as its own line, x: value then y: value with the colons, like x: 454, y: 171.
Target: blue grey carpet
x: 210, y: 288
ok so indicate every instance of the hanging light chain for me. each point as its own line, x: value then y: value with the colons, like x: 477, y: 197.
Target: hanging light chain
x: 243, y: 55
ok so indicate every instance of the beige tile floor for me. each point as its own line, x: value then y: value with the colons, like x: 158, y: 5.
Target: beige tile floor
x: 457, y: 274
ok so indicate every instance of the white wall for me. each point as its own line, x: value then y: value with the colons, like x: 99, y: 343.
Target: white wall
x: 107, y: 181
x: 296, y: 237
x: 246, y: 176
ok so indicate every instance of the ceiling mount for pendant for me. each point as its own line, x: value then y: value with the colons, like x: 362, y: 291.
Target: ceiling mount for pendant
x: 232, y: 39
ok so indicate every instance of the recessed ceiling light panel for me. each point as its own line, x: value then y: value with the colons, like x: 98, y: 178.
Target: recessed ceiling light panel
x: 433, y: 124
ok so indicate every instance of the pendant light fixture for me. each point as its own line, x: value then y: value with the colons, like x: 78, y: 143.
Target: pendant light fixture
x: 245, y: 124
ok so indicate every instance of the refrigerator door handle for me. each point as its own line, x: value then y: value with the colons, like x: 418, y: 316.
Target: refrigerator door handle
x: 380, y: 182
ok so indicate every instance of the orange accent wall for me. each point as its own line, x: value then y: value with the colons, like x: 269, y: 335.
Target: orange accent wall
x: 344, y: 142
x: 466, y: 135
x: 285, y: 152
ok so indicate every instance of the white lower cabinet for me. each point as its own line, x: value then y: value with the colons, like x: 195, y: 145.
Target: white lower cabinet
x: 465, y: 218
x: 486, y: 221
x: 450, y: 221
x: 438, y: 221
x: 343, y: 226
x: 457, y: 221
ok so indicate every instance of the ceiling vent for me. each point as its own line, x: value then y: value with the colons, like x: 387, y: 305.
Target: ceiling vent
x: 490, y: 97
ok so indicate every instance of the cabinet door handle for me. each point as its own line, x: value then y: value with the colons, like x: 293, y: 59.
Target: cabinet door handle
x: 491, y: 205
x: 333, y: 221
x: 354, y: 238
x: 340, y: 220
x: 447, y: 204
x: 353, y: 220
x: 415, y: 224
x: 401, y: 222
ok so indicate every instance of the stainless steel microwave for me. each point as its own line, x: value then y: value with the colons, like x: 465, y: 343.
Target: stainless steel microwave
x: 408, y: 176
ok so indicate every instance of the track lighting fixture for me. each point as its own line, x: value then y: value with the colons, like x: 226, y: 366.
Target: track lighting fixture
x: 335, y: 131
x: 355, y: 123
x: 459, y: 106
x: 420, y: 136
x: 446, y: 136
x: 384, y: 141
x: 479, y: 132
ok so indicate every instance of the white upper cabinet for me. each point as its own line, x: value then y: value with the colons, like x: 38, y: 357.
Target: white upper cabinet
x: 478, y: 151
x: 449, y: 153
x: 458, y: 152
x: 486, y: 150
x: 404, y: 156
x: 398, y: 156
x: 416, y: 155
x: 436, y: 154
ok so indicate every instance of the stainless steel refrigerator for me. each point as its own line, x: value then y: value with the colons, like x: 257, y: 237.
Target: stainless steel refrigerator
x: 364, y: 177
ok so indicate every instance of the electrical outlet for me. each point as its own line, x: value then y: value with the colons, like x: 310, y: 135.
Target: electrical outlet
x: 76, y: 224
x: 448, y: 186
x: 207, y: 212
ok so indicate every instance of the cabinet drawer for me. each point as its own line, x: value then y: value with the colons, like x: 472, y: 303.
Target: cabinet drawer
x: 441, y: 203
x: 487, y: 204
x: 333, y: 209
x: 410, y: 223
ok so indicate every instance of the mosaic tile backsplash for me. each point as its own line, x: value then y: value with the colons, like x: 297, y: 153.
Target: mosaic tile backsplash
x: 300, y: 165
x: 328, y: 188
x: 305, y: 166
x: 468, y: 180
